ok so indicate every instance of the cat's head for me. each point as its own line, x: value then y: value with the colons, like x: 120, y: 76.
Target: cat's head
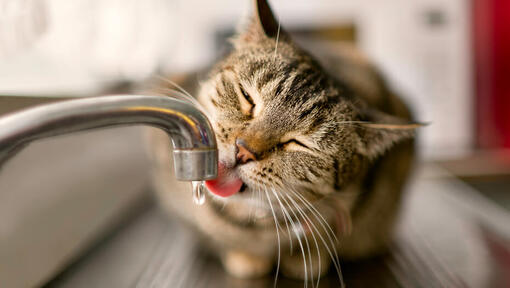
x: 283, y: 125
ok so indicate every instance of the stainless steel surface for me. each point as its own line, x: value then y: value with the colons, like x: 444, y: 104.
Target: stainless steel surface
x: 187, y: 161
x: 441, y: 241
x: 191, y: 134
x: 58, y: 196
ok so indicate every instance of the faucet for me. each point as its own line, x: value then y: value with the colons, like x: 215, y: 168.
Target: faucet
x: 191, y: 134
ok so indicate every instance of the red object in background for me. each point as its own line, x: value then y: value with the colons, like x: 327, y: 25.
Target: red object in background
x: 491, y: 20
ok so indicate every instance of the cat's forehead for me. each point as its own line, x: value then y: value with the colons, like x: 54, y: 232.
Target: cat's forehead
x: 289, y: 89
x: 272, y: 74
x: 267, y: 59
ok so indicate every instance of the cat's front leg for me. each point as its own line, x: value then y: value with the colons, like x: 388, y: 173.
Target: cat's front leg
x: 245, y: 265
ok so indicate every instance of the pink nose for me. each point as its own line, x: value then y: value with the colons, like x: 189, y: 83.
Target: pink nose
x: 244, y: 154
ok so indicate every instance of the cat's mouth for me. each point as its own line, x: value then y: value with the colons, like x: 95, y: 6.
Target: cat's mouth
x: 243, y: 188
x: 227, y: 184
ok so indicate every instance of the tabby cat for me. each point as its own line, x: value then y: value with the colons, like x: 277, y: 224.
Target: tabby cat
x: 313, y: 156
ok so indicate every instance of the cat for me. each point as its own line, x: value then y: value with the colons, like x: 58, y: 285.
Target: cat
x: 313, y: 156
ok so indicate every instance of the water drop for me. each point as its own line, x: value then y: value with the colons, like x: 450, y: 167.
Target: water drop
x: 198, y: 192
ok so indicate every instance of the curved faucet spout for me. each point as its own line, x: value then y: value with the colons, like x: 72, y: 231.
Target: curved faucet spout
x: 195, y: 153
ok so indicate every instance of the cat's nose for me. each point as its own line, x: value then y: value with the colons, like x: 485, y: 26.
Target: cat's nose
x: 244, y: 154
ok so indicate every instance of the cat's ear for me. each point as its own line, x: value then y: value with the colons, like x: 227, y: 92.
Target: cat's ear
x: 263, y: 24
x: 379, y: 131
x: 264, y: 19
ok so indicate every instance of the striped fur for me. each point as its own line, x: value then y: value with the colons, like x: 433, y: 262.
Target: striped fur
x: 323, y: 136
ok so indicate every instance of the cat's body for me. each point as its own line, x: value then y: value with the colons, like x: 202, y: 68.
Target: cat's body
x: 296, y: 133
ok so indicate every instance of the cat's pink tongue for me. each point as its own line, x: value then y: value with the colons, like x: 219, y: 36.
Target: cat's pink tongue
x: 226, y: 184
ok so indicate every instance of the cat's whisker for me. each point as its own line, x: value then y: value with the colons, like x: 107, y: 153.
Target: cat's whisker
x: 298, y: 237
x: 311, y: 227
x: 324, y: 224
x: 260, y: 200
x: 303, y: 232
x: 311, y: 207
x: 186, y: 95
x: 224, y: 205
x: 263, y: 200
x: 333, y: 254
x: 291, y: 249
x: 180, y: 96
x: 177, y: 95
x: 373, y: 125
x: 330, y: 251
x: 322, y: 221
x: 288, y: 229
x: 182, y: 90
x: 277, y: 39
x: 252, y: 206
x: 354, y: 122
x: 277, y: 235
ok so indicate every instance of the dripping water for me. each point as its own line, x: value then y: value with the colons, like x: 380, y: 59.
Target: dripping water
x: 198, y: 191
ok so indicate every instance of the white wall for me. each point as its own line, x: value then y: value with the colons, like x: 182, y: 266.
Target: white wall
x: 87, y: 42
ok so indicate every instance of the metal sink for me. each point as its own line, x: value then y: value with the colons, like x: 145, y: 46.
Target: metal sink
x: 447, y: 237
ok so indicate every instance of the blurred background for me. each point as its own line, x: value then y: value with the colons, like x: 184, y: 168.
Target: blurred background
x: 424, y: 47
x: 449, y: 59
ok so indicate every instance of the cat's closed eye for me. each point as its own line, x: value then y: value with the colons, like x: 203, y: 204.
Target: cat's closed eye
x: 294, y: 145
x: 294, y: 141
x: 246, y: 101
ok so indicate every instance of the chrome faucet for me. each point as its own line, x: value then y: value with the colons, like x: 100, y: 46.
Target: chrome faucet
x: 194, y: 143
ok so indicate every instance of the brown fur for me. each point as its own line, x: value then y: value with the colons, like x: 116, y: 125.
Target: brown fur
x: 332, y: 135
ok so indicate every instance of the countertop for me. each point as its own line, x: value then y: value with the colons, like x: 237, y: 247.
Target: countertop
x: 448, y: 236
